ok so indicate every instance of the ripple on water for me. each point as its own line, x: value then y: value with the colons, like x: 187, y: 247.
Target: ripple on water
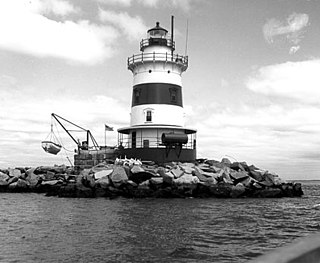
x: 36, y: 228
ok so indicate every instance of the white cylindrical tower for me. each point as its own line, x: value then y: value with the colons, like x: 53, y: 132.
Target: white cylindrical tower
x: 157, y: 114
x: 157, y: 87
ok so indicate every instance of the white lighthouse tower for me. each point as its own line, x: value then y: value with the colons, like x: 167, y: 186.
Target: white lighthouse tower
x: 157, y: 129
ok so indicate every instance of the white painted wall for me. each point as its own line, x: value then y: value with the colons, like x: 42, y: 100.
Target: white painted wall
x: 162, y: 114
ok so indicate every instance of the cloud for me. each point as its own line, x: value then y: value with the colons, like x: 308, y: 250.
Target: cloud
x: 294, y: 80
x: 25, y: 122
x: 24, y: 29
x: 184, y: 5
x: 132, y: 27
x: 125, y: 3
x: 290, y: 30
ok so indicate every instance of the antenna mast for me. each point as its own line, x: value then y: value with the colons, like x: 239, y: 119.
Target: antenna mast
x: 172, y: 26
x: 187, y: 35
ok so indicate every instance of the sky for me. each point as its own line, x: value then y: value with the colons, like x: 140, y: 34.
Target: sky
x: 252, y: 89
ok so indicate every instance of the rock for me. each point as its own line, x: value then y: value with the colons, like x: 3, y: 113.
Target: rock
x: 297, y: 189
x: 257, y: 175
x: 22, y: 185
x: 100, y: 167
x: 102, y: 173
x: 12, y: 186
x: 4, y: 176
x: 238, y: 176
x: 186, y: 179
x: 51, y: 182
x: 144, y: 185
x: 13, y: 180
x: 188, y: 168
x: 49, y: 176
x: 168, y: 177
x: 3, y: 183
x: 140, y: 177
x: 32, y: 178
x: 177, y: 172
x: 237, y: 190
x: 14, y: 172
x: 221, y: 190
x: 211, y: 162
x: 238, y: 166
x: 226, y: 161
x: 248, y: 182
x: 137, y: 169
x: 118, y: 176
x: 156, y: 180
x: 103, y: 182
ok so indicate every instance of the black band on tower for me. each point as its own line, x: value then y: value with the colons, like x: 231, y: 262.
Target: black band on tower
x: 157, y: 93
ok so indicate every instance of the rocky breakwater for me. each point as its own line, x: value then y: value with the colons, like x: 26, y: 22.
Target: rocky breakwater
x: 132, y: 179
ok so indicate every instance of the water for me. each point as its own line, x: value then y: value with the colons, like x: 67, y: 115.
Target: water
x: 36, y: 228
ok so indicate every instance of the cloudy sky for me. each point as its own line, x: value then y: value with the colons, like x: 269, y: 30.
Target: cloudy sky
x: 252, y: 89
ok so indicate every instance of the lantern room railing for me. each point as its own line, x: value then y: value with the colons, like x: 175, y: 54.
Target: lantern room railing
x: 135, y: 60
x: 157, y: 42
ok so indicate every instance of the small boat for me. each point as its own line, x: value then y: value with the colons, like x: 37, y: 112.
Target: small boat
x: 51, y: 147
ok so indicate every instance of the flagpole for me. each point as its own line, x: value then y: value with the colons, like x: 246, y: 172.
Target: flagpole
x: 105, y: 140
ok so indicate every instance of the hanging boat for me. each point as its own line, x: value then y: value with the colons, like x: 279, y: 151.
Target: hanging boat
x: 50, y: 143
x: 51, y: 147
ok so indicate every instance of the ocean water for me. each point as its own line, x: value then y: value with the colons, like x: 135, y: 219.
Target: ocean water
x: 36, y: 228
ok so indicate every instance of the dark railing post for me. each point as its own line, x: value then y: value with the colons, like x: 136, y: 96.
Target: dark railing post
x: 154, y: 56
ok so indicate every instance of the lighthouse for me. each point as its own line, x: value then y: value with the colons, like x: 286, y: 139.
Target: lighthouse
x: 157, y: 130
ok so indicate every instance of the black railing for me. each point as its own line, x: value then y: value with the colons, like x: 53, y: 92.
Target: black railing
x: 153, y: 57
x: 153, y: 142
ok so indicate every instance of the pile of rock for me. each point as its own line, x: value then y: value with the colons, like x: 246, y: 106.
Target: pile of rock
x: 133, y: 179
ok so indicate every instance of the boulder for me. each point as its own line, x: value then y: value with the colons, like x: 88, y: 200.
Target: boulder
x: 186, y: 179
x: 237, y: 190
x: 188, y: 168
x: 4, y: 176
x: 3, y: 183
x: 13, y: 186
x: 238, y: 166
x: 137, y: 169
x: 14, y: 172
x: 32, y: 178
x: 102, y: 173
x: 118, y: 176
x: 168, y: 177
x: 177, y: 172
x: 13, y: 180
x: 156, y: 181
x: 49, y: 176
x: 257, y: 174
x: 51, y: 182
x: 100, y: 167
x: 22, y: 185
x: 140, y: 177
x: 226, y: 161
x: 103, y: 182
x: 220, y: 190
x: 238, y: 176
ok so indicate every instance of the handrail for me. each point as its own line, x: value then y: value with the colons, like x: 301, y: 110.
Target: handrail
x: 166, y: 57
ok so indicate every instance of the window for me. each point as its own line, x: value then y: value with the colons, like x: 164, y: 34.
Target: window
x: 149, y: 115
x: 145, y: 143
x: 173, y: 94
x: 137, y: 95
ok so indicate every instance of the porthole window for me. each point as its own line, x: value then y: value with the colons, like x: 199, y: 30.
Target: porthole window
x: 169, y: 71
x: 150, y: 70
